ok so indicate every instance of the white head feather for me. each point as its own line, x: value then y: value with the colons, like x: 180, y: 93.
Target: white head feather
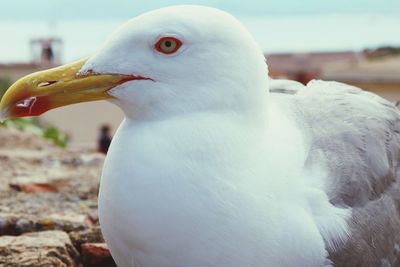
x: 190, y: 79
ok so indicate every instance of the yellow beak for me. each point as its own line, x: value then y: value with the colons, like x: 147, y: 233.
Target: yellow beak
x: 39, y: 92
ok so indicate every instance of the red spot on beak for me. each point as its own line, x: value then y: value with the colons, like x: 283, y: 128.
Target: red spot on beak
x: 31, y: 106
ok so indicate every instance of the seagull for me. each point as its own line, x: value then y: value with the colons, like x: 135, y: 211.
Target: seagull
x: 215, y: 165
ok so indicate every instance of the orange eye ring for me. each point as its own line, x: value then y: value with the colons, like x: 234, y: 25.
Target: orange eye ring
x: 168, y: 45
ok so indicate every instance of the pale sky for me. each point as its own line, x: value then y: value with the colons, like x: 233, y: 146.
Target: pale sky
x: 105, y: 9
x: 278, y: 26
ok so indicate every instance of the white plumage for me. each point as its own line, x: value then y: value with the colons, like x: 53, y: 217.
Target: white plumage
x: 209, y: 169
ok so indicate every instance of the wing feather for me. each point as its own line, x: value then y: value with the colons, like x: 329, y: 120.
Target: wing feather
x: 355, y: 135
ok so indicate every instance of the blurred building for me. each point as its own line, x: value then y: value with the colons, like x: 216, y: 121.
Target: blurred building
x: 379, y: 75
x: 304, y: 67
x: 45, y: 53
x: 378, y: 72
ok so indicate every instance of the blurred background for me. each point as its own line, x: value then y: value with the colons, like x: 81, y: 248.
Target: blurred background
x: 357, y: 42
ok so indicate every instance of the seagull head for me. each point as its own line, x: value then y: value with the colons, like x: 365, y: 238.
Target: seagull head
x: 166, y: 62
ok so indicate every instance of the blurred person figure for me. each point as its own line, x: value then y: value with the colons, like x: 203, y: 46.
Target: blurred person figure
x: 47, y: 54
x: 104, y: 141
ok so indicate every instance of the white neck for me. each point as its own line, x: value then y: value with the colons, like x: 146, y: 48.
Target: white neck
x: 185, y: 176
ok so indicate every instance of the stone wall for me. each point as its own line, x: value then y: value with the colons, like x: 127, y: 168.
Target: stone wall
x: 48, y: 204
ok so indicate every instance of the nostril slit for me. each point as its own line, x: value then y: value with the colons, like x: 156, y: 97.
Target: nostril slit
x: 47, y: 83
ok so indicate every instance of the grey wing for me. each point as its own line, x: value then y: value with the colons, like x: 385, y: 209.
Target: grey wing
x: 356, y: 135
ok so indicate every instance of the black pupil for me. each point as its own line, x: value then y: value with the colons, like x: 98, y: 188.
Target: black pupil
x: 168, y: 43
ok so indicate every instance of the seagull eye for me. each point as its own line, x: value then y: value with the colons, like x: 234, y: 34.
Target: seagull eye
x: 168, y: 45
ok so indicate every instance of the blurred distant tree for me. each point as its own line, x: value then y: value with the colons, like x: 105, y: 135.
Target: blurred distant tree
x: 381, y: 51
x: 4, y: 84
x: 388, y: 49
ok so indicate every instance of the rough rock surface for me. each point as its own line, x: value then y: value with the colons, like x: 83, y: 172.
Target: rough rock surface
x: 48, y: 248
x: 48, y: 202
x: 95, y: 254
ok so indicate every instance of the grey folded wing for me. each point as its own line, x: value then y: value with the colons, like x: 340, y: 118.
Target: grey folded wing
x: 355, y: 135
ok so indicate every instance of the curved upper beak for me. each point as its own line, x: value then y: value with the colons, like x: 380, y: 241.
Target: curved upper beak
x: 39, y: 92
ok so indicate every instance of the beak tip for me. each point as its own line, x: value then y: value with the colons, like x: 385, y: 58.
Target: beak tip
x: 4, y: 114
